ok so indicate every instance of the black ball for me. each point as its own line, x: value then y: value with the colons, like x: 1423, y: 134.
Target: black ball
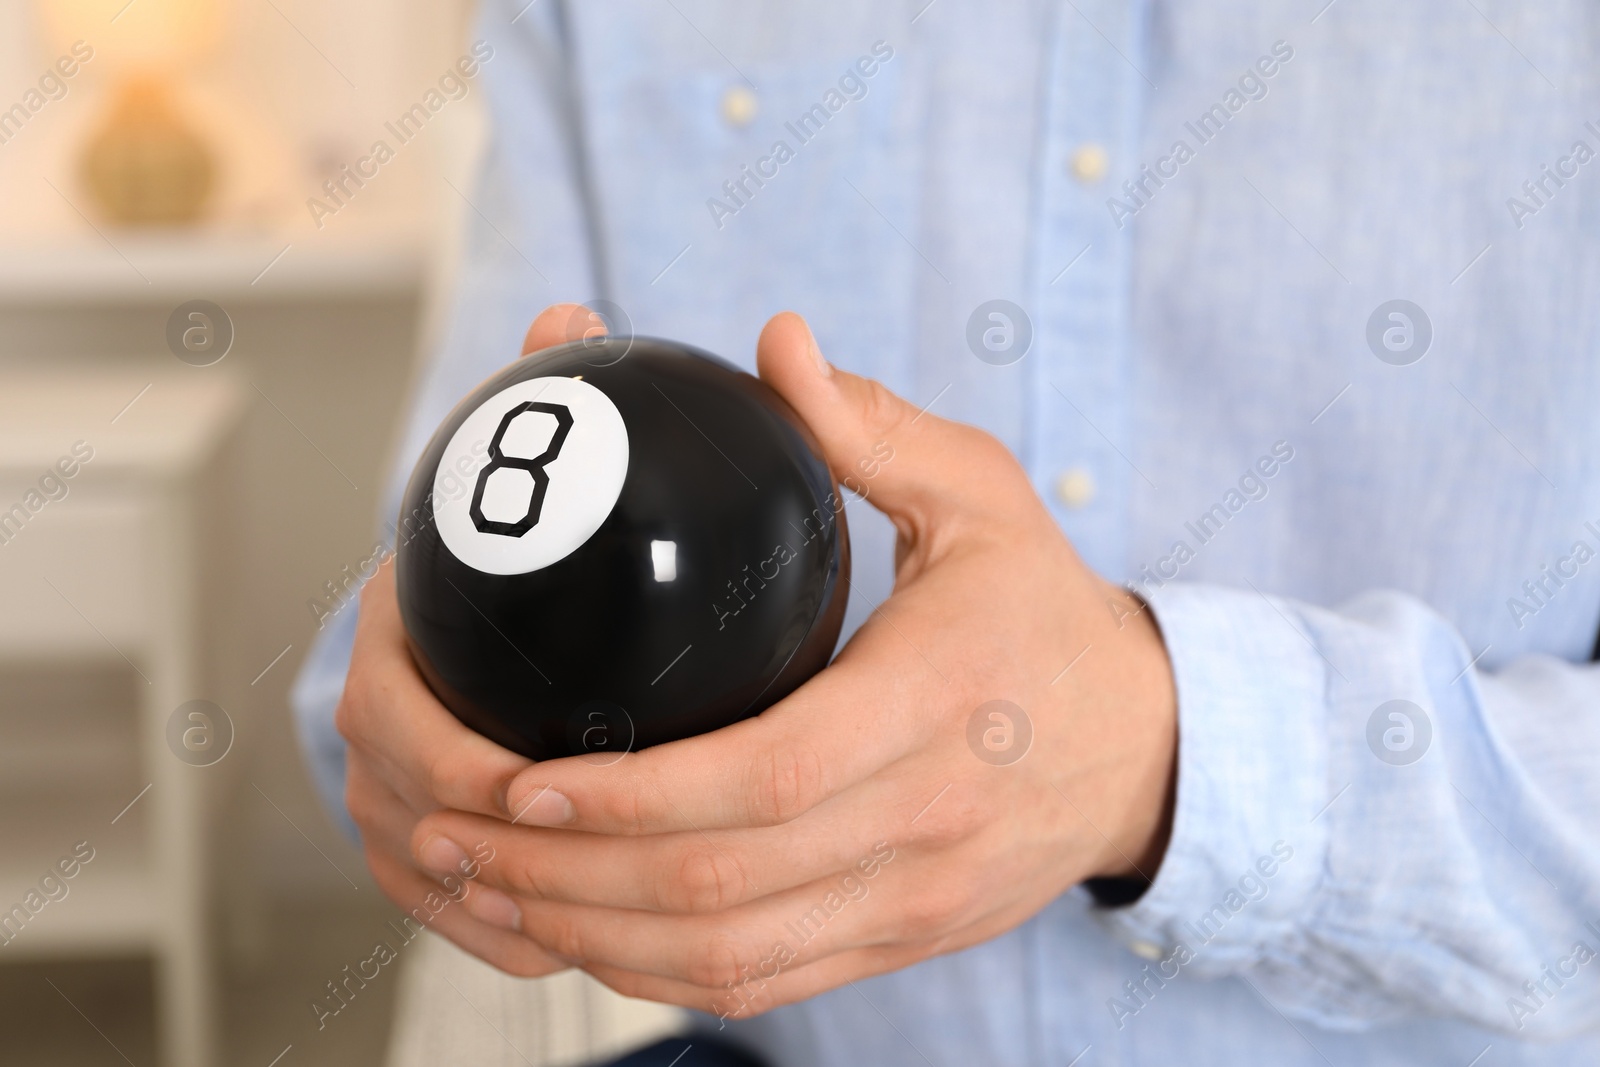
x: 619, y: 542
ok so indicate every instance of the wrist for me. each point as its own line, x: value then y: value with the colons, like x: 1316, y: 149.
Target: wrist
x: 1141, y: 701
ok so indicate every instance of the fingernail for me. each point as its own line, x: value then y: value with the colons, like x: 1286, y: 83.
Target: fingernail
x: 543, y: 807
x: 823, y: 366
x: 493, y: 907
x: 442, y: 855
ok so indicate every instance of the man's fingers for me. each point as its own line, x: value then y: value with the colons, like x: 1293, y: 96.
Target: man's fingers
x: 906, y: 461
x: 788, y: 968
x: 388, y: 710
x: 815, y: 921
x: 442, y: 906
x: 836, y: 730
x: 560, y: 323
x: 755, y: 993
x: 689, y: 872
x: 383, y: 816
x: 428, y: 905
x: 771, y: 982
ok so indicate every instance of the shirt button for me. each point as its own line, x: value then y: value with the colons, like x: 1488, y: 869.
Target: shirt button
x: 1146, y: 950
x: 1075, y: 487
x: 1089, y: 163
x: 739, y: 106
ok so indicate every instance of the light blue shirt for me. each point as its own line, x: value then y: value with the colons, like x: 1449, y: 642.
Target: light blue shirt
x: 1199, y: 206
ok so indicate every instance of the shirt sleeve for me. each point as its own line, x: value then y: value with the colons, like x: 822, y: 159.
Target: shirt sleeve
x: 527, y: 245
x: 314, y: 696
x: 1367, y: 826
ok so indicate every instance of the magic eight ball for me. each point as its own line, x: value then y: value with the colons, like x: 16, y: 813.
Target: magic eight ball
x: 619, y: 542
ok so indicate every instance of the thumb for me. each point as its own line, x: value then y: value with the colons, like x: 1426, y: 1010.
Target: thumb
x: 560, y: 323
x: 910, y: 464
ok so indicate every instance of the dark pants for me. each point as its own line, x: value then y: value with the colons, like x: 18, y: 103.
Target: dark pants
x: 695, y: 1050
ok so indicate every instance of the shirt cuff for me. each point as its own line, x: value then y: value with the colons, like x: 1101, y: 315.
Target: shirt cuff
x: 1247, y: 846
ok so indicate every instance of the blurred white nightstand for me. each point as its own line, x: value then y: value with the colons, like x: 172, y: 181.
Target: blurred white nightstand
x: 98, y: 620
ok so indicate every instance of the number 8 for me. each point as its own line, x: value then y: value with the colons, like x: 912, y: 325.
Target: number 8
x: 534, y: 466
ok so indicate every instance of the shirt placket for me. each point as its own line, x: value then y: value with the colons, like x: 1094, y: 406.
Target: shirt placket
x: 1078, y: 449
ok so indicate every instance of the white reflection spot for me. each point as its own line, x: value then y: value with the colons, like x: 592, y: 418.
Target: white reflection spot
x: 664, y: 556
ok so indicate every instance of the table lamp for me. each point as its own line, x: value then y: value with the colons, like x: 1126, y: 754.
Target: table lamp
x: 143, y: 164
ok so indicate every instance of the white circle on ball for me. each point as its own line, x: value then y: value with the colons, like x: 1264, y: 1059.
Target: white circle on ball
x: 530, y: 475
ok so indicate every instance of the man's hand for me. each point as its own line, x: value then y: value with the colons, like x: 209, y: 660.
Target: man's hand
x: 877, y: 816
x: 409, y: 756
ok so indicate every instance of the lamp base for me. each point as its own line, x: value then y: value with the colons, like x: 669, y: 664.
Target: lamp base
x: 145, y: 166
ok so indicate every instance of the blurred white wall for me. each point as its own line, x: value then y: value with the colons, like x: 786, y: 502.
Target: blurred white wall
x: 330, y: 333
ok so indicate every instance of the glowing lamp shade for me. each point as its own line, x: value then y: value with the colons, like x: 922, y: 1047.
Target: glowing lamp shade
x: 144, y: 36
